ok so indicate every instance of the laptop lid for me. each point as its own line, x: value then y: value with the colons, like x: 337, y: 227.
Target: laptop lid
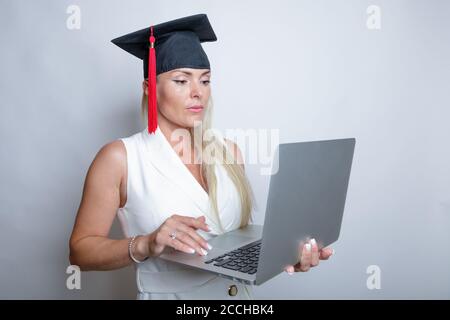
x: 306, y: 200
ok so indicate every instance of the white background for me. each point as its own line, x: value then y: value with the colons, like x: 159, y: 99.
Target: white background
x: 311, y: 69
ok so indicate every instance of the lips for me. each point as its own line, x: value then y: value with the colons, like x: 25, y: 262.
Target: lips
x: 197, y: 108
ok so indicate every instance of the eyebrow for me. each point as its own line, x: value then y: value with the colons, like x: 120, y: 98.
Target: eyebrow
x: 190, y: 73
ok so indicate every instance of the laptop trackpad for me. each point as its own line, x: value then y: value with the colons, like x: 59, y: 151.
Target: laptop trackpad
x: 230, y: 242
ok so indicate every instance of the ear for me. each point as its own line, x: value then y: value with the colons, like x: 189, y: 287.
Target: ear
x: 145, y: 86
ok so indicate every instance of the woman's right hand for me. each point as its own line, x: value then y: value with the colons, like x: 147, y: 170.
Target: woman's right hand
x: 186, y: 238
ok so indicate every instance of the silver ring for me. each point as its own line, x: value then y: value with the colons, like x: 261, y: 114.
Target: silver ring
x: 173, y: 235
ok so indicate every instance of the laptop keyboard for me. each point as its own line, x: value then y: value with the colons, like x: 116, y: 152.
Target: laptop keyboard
x: 244, y: 259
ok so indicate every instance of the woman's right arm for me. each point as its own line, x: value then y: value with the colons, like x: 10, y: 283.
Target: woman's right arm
x: 90, y: 247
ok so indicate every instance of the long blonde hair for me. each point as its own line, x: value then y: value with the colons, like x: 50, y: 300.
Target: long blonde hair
x: 233, y: 168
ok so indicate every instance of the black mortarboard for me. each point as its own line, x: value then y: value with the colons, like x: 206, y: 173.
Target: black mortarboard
x: 177, y: 44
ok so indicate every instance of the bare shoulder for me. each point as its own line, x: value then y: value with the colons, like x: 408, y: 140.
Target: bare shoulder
x: 113, y: 152
x: 112, y: 158
x: 108, y: 169
x: 101, y: 193
x: 236, y: 152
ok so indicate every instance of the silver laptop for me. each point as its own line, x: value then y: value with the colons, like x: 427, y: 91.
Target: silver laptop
x: 306, y: 200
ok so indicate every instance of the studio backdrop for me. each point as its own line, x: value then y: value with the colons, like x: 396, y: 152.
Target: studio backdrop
x: 377, y: 71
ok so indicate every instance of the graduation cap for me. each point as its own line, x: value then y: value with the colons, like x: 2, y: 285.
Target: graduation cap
x: 167, y: 46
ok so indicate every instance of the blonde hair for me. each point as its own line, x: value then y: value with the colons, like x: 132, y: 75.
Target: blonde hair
x: 233, y: 169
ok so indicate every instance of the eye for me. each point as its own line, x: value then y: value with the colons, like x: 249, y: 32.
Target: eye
x: 180, y: 81
x: 206, y: 82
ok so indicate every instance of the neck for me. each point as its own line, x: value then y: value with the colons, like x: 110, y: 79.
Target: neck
x: 168, y: 128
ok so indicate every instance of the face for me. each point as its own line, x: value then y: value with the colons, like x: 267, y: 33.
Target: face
x: 182, y: 96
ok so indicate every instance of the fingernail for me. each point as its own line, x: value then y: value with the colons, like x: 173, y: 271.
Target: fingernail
x: 191, y: 250
x: 313, y: 242
x: 308, y: 246
x: 209, y: 246
x: 207, y: 227
x: 332, y: 252
x: 204, y: 252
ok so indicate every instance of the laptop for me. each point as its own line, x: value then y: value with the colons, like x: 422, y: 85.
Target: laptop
x: 306, y: 200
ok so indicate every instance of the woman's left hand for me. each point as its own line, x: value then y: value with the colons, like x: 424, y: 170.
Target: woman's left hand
x: 309, y: 255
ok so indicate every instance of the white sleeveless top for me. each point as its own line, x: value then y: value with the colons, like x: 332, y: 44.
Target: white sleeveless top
x: 160, y: 185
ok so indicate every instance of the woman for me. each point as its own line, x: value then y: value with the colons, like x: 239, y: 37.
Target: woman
x: 168, y: 194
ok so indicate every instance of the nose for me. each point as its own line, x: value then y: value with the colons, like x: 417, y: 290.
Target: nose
x: 196, y: 91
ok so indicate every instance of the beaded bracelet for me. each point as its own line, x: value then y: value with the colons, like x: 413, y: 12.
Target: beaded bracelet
x: 130, y: 245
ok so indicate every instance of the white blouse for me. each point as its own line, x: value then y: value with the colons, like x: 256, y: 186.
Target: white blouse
x: 160, y: 185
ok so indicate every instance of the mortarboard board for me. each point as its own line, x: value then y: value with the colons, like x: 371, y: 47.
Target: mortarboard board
x: 167, y: 46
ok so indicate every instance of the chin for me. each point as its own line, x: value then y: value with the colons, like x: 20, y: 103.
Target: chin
x: 193, y: 121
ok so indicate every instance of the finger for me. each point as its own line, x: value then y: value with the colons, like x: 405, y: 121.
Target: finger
x: 325, y: 253
x: 314, y: 253
x: 290, y: 269
x: 195, y: 223
x: 178, y: 245
x: 203, y: 219
x: 172, y: 226
x: 186, y: 239
x: 178, y: 223
x: 194, y: 235
x: 305, y: 258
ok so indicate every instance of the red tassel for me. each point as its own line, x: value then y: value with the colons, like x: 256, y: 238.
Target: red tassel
x: 152, y: 111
